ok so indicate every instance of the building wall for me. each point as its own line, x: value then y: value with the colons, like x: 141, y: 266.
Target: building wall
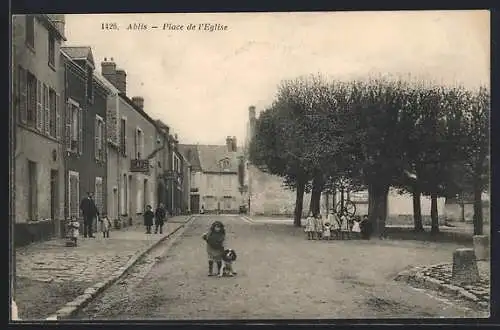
x: 31, y: 144
x: 269, y: 197
x: 113, y: 167
x: 85, y: 162
x: 135, y: 182
x: 214, y: 187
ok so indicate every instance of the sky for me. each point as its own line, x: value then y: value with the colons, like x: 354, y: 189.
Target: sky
x: 201, y: 83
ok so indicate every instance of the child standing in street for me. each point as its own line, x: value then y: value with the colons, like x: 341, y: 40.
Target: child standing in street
x: 215, y: 246
x: 105, y: 225
x: 148, y: 219
x: 160, y: 215
x: 309, y: 227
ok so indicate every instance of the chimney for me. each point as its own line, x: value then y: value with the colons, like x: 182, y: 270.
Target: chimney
x: 235, y: 147
x: 59, y: 21
x: 251, y: 112
x: 108, y: 70
x: 138, y: 101
x: 121, y: 81
x: 229, y: 144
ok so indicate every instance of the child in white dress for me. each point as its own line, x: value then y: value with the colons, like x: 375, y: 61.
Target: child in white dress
x: 334, y: 223
x: 309, y: 227
x: 326, y: 231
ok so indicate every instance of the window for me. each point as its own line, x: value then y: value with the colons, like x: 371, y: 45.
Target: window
x: 139, y: 144
x: 52, y: 50
x: 124, y: 195
x: 74, y: 137
x: 227, y: 202
x: 45, y: 109
x: 53, y: 114
x: 123, y: 136
x: 32, y: 191
x: 99, y: 138
x: 73, y: 194
x: 22, y: 99
x: 226, y: 181
x: 30, y: 31
x: 139, y: 199
x: 99, y: 194
x: 32, y: 99
x: 175, y: 162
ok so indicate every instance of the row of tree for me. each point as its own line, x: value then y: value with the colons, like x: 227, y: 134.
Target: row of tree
x: 374, y: 134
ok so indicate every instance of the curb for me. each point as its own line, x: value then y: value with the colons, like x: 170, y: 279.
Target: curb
x: 90, y: 293
x: 416, y: 277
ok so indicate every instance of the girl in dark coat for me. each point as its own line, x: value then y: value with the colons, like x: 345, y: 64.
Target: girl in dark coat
x: 148, y: 219
x: 215, y: 245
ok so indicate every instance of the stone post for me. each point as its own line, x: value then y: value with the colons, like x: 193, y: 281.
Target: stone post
x: 465, y: 271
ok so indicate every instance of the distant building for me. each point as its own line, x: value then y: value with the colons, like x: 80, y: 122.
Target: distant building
x: 134, y: 142
x: 37, y: 150
x: 215, y: 177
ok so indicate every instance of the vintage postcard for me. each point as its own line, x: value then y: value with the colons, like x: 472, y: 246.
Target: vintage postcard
x: 249, y: 166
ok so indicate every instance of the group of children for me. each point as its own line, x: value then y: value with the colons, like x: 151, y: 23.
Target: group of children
x: 317, y: 229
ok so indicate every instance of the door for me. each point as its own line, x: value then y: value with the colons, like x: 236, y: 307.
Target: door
x: 54, y: 175
x: 195, y: 204
x: 145, y: 195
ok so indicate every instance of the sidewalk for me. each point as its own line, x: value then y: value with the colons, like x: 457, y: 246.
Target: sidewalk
x: 49, y: 274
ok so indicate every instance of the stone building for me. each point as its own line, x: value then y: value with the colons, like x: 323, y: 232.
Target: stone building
x: 215, y: 183
x: 38, y: 167
x: 135, y: 143
x: 85, y: 97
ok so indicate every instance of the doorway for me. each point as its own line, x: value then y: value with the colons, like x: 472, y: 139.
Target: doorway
x: 54, y: 184
x: 145, y: 195
x: 195, y: 204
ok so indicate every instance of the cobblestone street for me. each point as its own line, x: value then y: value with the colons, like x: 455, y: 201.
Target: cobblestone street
x: 281, y: 275
x: 44, y: 267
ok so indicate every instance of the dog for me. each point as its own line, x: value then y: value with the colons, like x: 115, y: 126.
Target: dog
x: 228, y: 258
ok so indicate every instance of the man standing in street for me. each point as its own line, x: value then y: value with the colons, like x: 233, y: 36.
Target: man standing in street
x: 89, y: 211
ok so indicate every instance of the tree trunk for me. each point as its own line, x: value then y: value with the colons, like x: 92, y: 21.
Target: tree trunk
x: 301, y: 185
x: 478, y: 208
x: 317, y: 187
x: 417, y: 210
x: 377, y: 207
x: 434, y: 214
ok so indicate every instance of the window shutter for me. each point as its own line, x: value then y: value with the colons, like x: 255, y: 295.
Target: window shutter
x: 80, y: 131
x: 142, y: 146
x: 39, y: 106
x: 46, y: 104
x: 96, y: 138
x: 135, y: 144
x: 23, y: 97
x: 16, y: 96
x: 58, y: 117
x: 68, y: 124
x: 103, y: 140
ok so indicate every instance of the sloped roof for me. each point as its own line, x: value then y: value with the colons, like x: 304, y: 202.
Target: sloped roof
x: 79, y: 53
x: 208, y: 158
x: 191, y: 153
x: 211, y: 156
